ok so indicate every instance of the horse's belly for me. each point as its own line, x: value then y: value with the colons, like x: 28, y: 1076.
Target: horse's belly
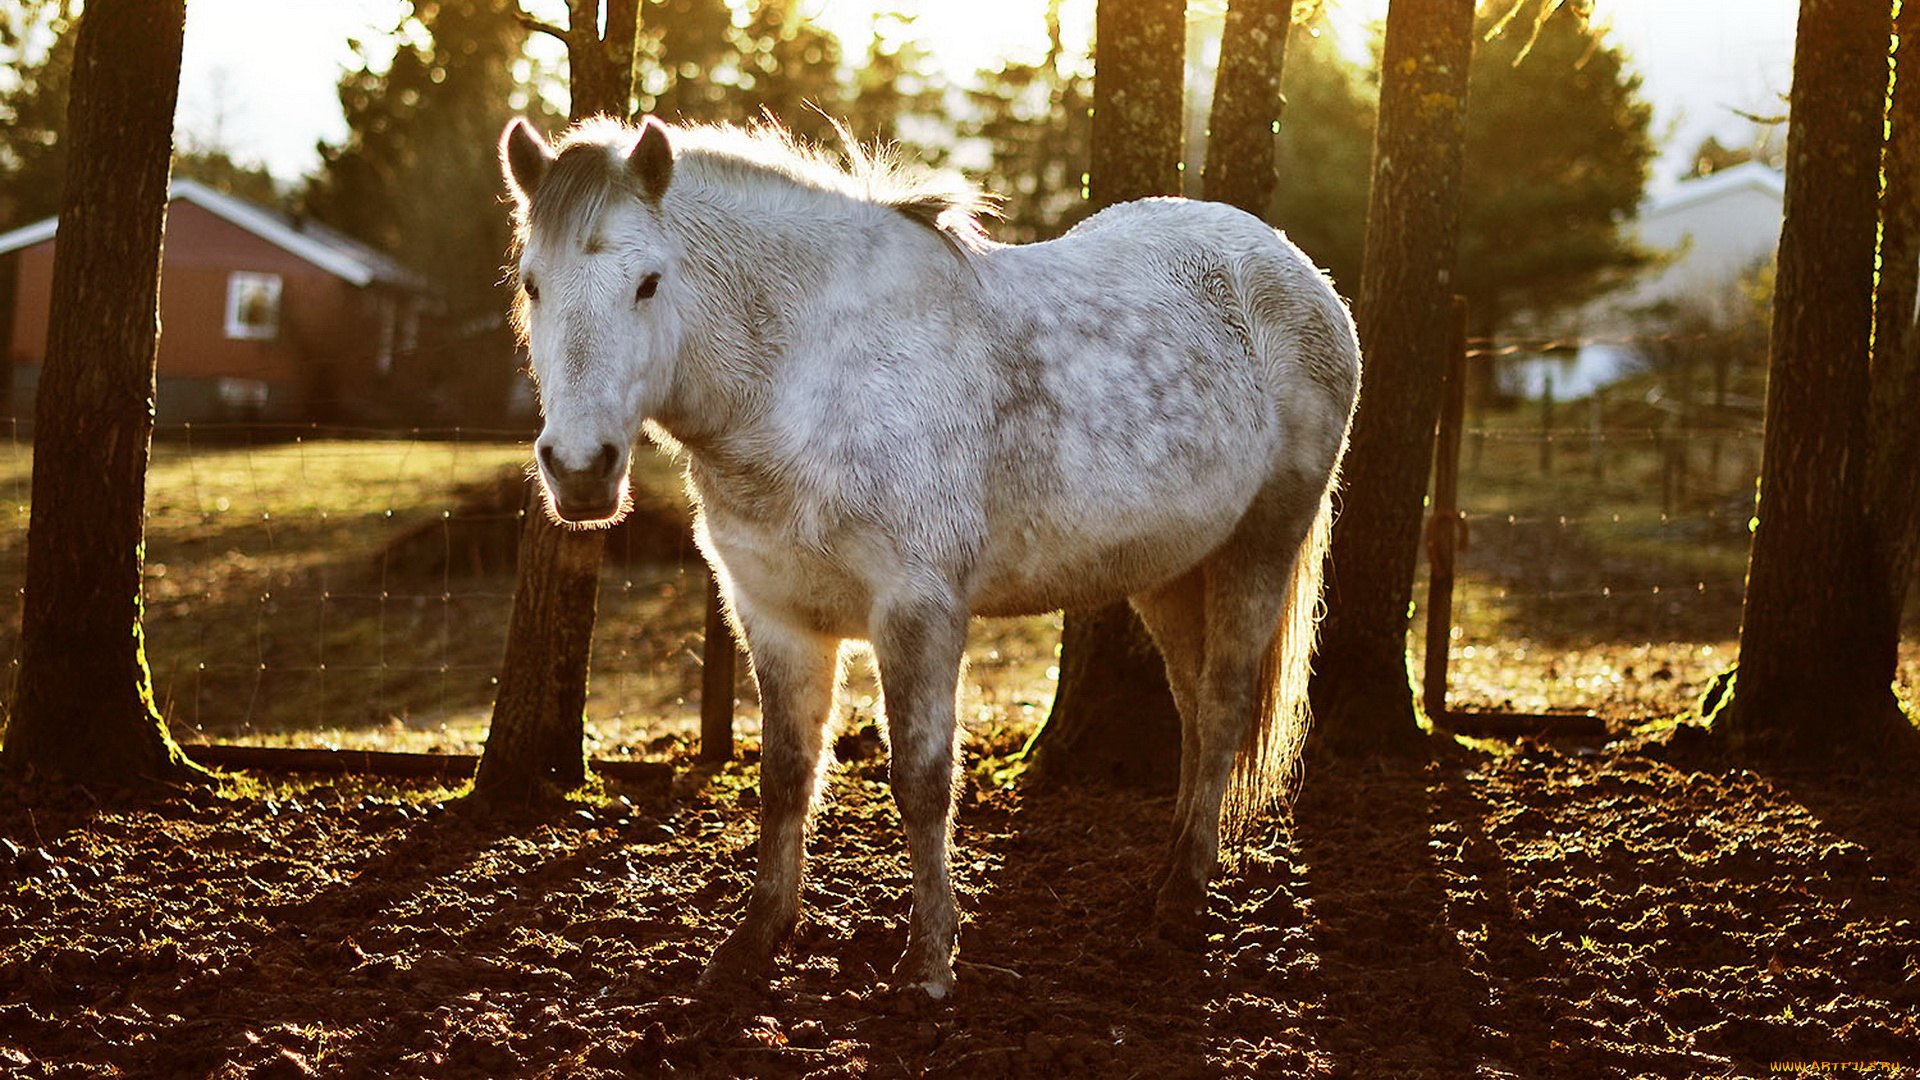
x: 1049, y: 567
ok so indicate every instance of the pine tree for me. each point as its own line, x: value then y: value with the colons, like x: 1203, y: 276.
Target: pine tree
x: 1558, y: 151
x: 1113, y: 716
x: 412, y: 130
x: 83, y: 704
x: 1362, y: 701
x: 1834, y: 545
x: 1036, y: 119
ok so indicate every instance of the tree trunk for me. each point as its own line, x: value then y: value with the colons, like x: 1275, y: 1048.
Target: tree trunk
x: 1105, y: 727
x: 1362, y: 698
x: 1893, y: 501
x: 1139, y: 66
x: 1818, y: 644
x: 600, y: 70
x: 1139, y: 71
x: 83, y: 707
x: 1243, y: 132
x: 536, y: 739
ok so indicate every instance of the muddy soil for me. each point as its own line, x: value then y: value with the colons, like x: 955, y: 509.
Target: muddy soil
x: 1632, y: 912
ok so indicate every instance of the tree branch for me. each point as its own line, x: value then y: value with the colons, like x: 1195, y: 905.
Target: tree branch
x: 537, y: 26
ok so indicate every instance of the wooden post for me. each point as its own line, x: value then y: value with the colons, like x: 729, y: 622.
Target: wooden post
x: 1669, y: 466
x: 1719, y: 415
x: 716, y: 681
x: 1443, y: 522
x: 1597, y: 433
x: 1546, y: 424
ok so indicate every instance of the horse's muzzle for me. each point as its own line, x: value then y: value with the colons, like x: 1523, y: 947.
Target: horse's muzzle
x: 594, y: 494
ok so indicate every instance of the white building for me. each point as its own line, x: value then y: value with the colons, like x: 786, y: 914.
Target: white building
x: 1712, y: 234
x: 1717, y: 230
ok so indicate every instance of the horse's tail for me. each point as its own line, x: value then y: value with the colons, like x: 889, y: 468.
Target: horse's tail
x: 1306, y: 336
x: 1267, y: 767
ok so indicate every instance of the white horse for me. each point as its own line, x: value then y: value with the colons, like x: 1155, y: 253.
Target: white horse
x: 891, y: 424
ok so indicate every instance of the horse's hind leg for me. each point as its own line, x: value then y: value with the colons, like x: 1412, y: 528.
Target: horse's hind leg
x: 1246, y: 587
x: 919, y: 645
x: 798, y: 673
x: 1175, y: 614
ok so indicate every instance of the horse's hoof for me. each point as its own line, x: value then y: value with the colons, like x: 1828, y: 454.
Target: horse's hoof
x: 921, y: 984
x: 917, y: 998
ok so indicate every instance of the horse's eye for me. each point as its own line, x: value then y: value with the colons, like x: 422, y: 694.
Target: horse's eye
x: 647, y: 286
x: 532, y: 290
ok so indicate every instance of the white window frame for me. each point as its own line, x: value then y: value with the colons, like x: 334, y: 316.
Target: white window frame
x: 247, y: 286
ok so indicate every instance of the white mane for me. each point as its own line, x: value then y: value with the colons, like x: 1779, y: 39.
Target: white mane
x: 761, y: 160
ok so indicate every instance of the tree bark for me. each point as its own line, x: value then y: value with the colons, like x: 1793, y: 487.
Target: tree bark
x: 1893, y: 503
x: 600, y: 69
x: 1362, y: 696
x: 1113, y: 720
x: 1139, y: 68
x: 1818, y: 643
x: 536, y: 738
x: 1244, y: 129
x: 1138, y: 81
x: 83, y: 707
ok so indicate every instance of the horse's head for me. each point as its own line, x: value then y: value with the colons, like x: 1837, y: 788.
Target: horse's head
x: 596, y: 275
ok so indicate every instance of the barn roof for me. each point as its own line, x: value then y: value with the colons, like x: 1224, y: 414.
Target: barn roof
x: 339, y: 255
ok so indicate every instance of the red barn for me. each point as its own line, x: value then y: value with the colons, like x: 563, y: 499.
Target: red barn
x: 262, y: 318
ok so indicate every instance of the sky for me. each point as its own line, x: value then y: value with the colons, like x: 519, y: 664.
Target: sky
x: 1702, y: 61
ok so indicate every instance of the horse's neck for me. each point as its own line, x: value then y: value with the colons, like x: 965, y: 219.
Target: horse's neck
x: 765, y: 300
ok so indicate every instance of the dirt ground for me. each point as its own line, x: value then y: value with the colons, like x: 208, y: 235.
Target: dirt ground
x: 1632, y: 912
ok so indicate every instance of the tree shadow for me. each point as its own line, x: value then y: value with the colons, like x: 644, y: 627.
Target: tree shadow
x: 420, y: 932
x: 1380, y: 924
x: 1468, y: 915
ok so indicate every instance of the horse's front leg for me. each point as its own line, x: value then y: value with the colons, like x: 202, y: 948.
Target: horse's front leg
x: 919, y: 645
x: 797, y: 673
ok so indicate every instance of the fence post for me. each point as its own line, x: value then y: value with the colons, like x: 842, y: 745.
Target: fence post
x: 1443, y: 523
x: 1669, y: 466
x: 1546, y: 425
x: 716, y: 681
x: 1597, y: 437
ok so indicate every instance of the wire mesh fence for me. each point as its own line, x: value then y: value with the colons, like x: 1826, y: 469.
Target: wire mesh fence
x: 324, y: 586
x: 336, y: 586
x: 1603, y: 540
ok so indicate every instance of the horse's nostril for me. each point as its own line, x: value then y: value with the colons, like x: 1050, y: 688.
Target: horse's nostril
x: 597, y: 468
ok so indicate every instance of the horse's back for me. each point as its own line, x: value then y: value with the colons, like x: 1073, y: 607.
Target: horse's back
x: 1157, y: 367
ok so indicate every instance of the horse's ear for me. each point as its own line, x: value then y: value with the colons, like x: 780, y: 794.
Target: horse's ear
x: 524, y: 158
x: 651, y: 160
